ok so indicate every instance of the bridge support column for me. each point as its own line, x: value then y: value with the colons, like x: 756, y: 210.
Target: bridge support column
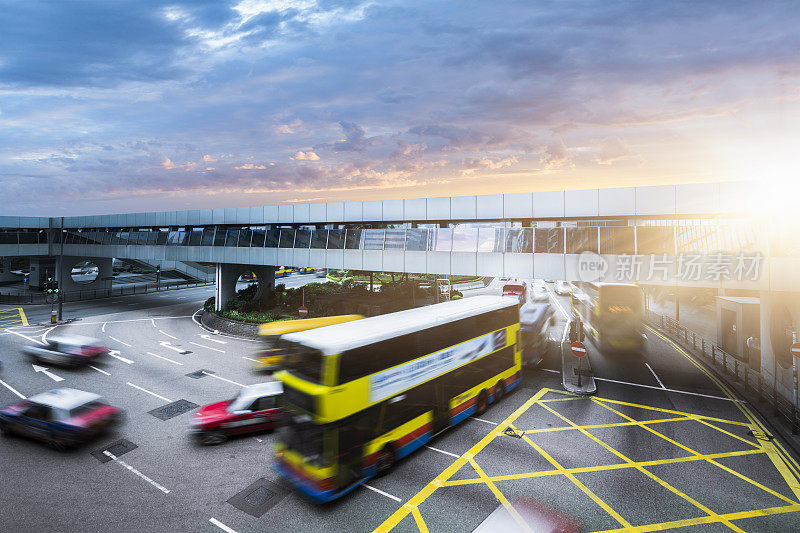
x: 101, y: 284
x: 227, y: 274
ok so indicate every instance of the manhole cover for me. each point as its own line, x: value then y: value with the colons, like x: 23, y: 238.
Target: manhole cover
x: 258, y: 498
x: 203, y: 372
x: 116, y: 449
x: 173, y: 409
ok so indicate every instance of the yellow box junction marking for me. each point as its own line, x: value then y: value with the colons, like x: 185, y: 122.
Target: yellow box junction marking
x: 12, y: 316
x: 758, y: 447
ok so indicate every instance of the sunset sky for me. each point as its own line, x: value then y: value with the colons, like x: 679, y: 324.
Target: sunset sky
x: 117, y: 106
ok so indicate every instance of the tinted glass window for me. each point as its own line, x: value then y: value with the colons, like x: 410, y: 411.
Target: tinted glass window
x: 245, y: 236
x: 28, y: 237
x: 581, y: 240
x: 233, y: 237
x: 304, y: 362
x: 336, y: 239
x: 352, y: 239
x: 395, y: 239
x: 465, y: 240
x: 259, y: 236
x: 302, y: 238
x: 519, y: 240
x: 549, y: 241
x: 319, y: 238
x: 417, y: 239
x: 208, y: 237
x: 617, y: 240
x: 272, y: 238
x: 655, y: 240
x: 219, y: 237
x: 287, y: 238
x: 196, y: 237
x: 373, y: 239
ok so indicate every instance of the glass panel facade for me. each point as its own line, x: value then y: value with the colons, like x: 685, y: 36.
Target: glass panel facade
x: 395, y: 239
x: 336, y: 239
x: 196, y: 237
x: 259, y: 235
x: 302, y: 238
x: 655, y: 240
x: 319, y: 238
x: 373, y: 239
x: 352, y: 239
x: 617, y: 240
x: 465, y: 240
x: 245, y: 236
x: 441, y: 239
x: 233, y: 238
x: 549, y: 241
x: 581, y: 240
x: 273, y: 235
x: 287, y: 238
x: 417, y: 239
x: 518, y: 240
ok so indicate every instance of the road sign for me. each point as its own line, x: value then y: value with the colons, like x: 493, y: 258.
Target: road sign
x: 578, y: 349
x: 302, y: 311
x: 796, y: 349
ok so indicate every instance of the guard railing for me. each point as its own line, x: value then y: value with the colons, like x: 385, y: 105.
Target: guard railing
x: 92, y: 294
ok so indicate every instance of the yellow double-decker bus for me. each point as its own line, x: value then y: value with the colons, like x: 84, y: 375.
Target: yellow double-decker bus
x: 612, y: 314
x: 271, y: 356
x: 363, y: 394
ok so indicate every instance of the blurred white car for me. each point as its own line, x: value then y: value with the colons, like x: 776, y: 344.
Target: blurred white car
x: 67, y: 350
x: 563, y: 288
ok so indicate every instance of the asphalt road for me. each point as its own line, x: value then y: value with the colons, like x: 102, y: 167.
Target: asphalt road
x: 660, y: 446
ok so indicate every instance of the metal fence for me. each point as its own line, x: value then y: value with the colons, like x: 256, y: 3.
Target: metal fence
x: 747, y: 381
x: 91, y: 294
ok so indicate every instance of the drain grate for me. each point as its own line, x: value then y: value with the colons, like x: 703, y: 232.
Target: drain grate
x: 171, y: 410
x: 116, y: 449
x: 200, y: 373
x: 258, y: 498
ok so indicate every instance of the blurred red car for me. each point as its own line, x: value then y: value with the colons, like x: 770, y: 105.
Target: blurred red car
x: 518, y: 289
x: 255, y: 409
x: 60, y: 417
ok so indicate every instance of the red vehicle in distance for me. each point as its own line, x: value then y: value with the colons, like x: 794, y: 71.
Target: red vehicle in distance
x: 254, y: 409
x: 518, y: 289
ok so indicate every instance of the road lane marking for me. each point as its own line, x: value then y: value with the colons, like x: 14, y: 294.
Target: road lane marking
x: 207, y: 347
x: 550, y: 370
x: 442, y: 451
x: 167, y: 334
x: 379, y: 491
x: 169, y: 346
x: 654, y: 375
x: 115, y: 354
x: 103, y: 329
x: 22, y: 316
x: 251, y: 359
x: 12, y: 389
x: 46, y: 372
x: 119, y: 341
x: 482, y: 420
x: 208, y: 338
x: 148, y: 392
x: 99, y: 370
x: 223, y: 379
x: 666, y: 390
x: 164, y: 358
x: 132, y: 469
x: 129, y: 320
x: 37, y: 341
x: 222, y: 526
x: 153, y: 322
x: 47, y: 332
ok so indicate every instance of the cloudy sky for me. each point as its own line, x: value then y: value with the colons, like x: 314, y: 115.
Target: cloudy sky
x: 116, y: 106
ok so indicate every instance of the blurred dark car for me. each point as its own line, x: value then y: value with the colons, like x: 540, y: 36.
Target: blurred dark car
x: 60, y: 417
x: 254, y: 409
x: 71, y: 350
x: 535, y: 320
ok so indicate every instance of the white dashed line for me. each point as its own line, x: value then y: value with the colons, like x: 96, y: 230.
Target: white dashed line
x: 148, y: 392
x: 164, y: 358
x: 99, y: 370
x: 207, y: 347
x: 153, y: 322
x: 132, y: 469
x: 168, y: 335
x: 119, y: 341
x: 665, y: 390
x: 251, y: 359
x: 223, y: 379
x: 550, y: 370
x: 103, y: 329
x: 379, y: 491
x: 37, y: 341
x: 442, y: 451
x: 12, y: 389
x: 654, y: 375
x: 222, y: 526
x: 482, y: 420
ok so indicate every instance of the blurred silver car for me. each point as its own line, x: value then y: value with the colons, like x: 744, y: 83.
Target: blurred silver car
x: 562, y: 288
x: 67, y: 350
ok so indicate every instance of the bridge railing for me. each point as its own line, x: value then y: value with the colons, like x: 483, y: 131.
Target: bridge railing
x: 736, y: 370
x: 91, y: 294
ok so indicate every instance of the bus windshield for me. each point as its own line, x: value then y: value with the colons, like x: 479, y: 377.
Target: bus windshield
x: 302, y: 361
x: 622, y: 300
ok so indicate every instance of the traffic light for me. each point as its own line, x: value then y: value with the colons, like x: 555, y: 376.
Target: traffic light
x: 51, y: 286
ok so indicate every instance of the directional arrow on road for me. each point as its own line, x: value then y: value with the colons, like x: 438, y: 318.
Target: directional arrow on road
x: 115, y: 354
x: 167, y: 344
x: 44, y: 371
x: 208, y: 338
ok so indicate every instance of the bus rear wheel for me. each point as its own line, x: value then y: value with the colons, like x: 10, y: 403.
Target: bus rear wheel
x: 482, y: 402
x: 499, y: 391
x: 384, y: 461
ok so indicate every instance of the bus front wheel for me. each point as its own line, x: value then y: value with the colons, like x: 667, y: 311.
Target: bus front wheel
x: 384, y: 461
x: 482, y: 402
